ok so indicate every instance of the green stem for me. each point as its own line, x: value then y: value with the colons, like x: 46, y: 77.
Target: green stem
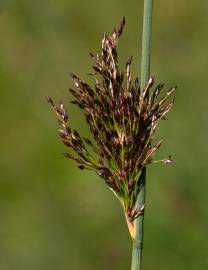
x: 146, y: 41
x: 145, y: 73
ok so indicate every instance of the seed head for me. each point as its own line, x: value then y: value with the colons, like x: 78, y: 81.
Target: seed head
x: 122, y: 118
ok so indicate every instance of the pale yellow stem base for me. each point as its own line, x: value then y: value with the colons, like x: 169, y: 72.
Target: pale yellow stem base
x: 131, y: 228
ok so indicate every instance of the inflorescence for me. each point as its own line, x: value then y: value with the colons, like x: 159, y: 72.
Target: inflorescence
x: 122, y: 118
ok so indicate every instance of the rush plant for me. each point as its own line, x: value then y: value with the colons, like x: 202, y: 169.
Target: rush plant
x: 122, y: 115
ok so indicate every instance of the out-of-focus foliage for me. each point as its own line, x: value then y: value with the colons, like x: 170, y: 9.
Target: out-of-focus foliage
x: 54, y: 216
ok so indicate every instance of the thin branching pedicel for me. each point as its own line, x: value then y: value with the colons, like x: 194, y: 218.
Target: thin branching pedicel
x: 122, y: 119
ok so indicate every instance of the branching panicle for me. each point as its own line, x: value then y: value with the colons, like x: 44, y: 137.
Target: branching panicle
x: 123, y: 122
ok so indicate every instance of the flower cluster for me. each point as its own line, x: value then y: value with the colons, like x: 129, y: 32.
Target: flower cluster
x: 122, y: 118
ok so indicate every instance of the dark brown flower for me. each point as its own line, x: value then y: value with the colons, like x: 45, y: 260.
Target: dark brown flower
x: 123, y: 120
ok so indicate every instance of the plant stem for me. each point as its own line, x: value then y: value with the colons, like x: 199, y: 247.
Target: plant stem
x: 146, y: 41
x: 145, y: 72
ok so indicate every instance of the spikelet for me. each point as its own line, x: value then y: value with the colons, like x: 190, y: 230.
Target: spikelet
x: 123, y: 120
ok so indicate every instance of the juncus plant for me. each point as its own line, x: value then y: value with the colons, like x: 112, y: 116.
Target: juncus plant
x: 122, y: 116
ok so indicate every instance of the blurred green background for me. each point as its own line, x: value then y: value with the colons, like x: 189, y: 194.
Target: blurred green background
x: 54, y: 216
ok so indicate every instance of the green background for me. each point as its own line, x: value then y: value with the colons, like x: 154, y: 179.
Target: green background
x: 54, y: 216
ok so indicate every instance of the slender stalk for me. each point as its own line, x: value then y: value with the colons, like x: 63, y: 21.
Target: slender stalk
x: 145, y: 72
x: 146, y: 41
